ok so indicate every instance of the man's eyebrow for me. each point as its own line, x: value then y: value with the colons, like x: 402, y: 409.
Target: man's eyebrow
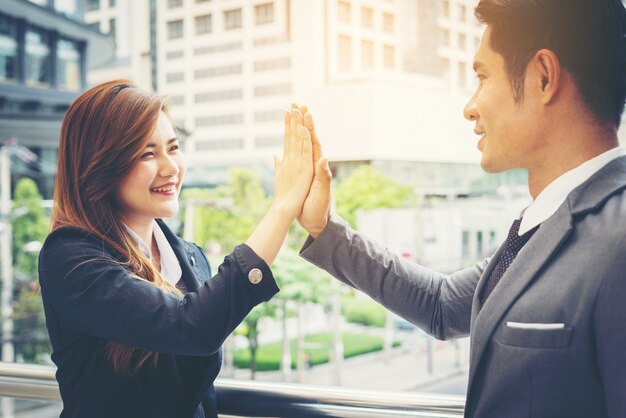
x: 477, y: 66
x: 153, y: 145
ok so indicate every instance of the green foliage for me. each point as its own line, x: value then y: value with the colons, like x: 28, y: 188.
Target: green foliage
x: 363, y: 311
x: 300, y: 280
x: 365, y: 189
x: 268, y: 356
x: 30, y: 334
x: 229, y: 213
x: 31, y: 225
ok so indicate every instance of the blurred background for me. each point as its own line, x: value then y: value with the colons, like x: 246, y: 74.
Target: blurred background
x: 386, y: 81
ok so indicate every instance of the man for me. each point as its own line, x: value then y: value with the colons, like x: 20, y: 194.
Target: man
x: 546, y: 313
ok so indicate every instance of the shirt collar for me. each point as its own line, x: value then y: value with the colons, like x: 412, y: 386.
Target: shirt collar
x: 170, y: 267
x: 553, y: 196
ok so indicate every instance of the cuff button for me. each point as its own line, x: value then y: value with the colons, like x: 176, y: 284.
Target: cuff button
x: 255, y: 276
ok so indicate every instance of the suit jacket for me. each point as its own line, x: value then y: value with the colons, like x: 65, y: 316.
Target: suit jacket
x: 572, y: 272
x: 90, y: 299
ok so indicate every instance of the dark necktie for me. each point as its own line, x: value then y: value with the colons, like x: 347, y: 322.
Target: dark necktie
x: 512, y: 246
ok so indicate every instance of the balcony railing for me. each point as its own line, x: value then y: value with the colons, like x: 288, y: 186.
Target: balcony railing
x: 242, y: 398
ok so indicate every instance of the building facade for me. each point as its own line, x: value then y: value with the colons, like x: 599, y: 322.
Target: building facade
x: 45, y: 51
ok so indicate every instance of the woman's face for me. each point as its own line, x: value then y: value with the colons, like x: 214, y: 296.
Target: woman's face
x: 151, y: 188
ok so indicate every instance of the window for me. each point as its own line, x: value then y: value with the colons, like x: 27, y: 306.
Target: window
x: 203, y: 24
x: 269, y: 115
x: 344, y: 52
x: 264, y: 13
x: 445, y: 5
x: 462, y: 75
x: 8, y: 49
x: 219, y: 120
x: 389, y: 58
x: 93, y: 5
x: 444, y: 37
x: 344, y: 11
x: 38, y: 62
x: 66, y: 8
x: 112, y: 28
x: 232, y: 19
x: 367, y: 54
x: 388, y: 22
x: 367, y: 17
x: 272, y: 90
x: 175, y: 29
x: 273, y: 64
x: 217, y: 48
x: 68, y: 62
x: 174, y: 3
x: 219, y: 144
x: 268, y: 141
x: 94, y: 26
x: 177, y: 100
x: 172, y: 55
x: 175, y: 77
x: 218, y: 96
x: 462, y: 41
x: 218, y: 71
x: 462, y: 11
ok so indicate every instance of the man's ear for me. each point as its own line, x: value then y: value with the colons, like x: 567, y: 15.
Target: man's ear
x: 546, y: 70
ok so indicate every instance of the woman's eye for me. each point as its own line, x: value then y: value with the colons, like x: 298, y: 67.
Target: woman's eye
x: 148, y: 154
x: 175, y: 148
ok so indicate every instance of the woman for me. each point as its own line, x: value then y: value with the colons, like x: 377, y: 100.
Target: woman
x: 136, y: 322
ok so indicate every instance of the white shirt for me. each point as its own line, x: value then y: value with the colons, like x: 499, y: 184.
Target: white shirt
x: 170, y: 267
x: 553, y: 196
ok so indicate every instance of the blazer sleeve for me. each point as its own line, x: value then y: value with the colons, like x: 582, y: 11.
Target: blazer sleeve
x: 439, y: 304
x: 90, y: 292
x: 609, y: 320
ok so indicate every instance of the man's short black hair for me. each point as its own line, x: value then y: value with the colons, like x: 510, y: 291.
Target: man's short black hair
x: 587, y: 36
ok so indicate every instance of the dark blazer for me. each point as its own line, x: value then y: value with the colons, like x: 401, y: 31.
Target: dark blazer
x: 550, y: 342
x: 90, y: 299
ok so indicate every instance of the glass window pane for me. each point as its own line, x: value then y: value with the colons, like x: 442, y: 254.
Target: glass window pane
x: 68, y: 65
x: 67, y: 8
x: 37, y: 58
x: 232, y: 19
x: 8, y: 49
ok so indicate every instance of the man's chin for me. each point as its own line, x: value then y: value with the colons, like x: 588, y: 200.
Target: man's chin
x: 490, y: 166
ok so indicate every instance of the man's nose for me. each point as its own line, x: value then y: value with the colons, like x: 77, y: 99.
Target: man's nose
x: 470, y: 112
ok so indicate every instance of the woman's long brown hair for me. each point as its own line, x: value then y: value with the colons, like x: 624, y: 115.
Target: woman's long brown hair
x: 103, y: 135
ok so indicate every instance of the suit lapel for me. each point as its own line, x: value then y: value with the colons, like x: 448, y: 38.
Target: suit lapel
x: 476, y: 305
x: 542, y: 246
x: 189, y: 276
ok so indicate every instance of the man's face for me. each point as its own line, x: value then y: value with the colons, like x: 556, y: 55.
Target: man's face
x: 507, y: 129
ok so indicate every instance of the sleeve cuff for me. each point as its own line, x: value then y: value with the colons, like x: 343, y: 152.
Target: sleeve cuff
x: 255, y: 272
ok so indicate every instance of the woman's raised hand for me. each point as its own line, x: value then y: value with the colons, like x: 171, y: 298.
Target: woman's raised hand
x: 294, y: 173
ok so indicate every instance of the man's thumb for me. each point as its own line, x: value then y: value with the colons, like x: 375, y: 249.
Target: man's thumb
x: 323, y: 174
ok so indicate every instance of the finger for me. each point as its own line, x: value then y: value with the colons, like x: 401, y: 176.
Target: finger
x: 276, y: 163
x: 305, y: 138
x: 317, y: 147
x: 296, y: 123
x: 287, y: 131
x: 323, y: 173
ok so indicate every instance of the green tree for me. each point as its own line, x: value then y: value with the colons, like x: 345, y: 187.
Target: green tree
x: 30, y: 225
x: 366, y: 188
x: 229, y: 213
